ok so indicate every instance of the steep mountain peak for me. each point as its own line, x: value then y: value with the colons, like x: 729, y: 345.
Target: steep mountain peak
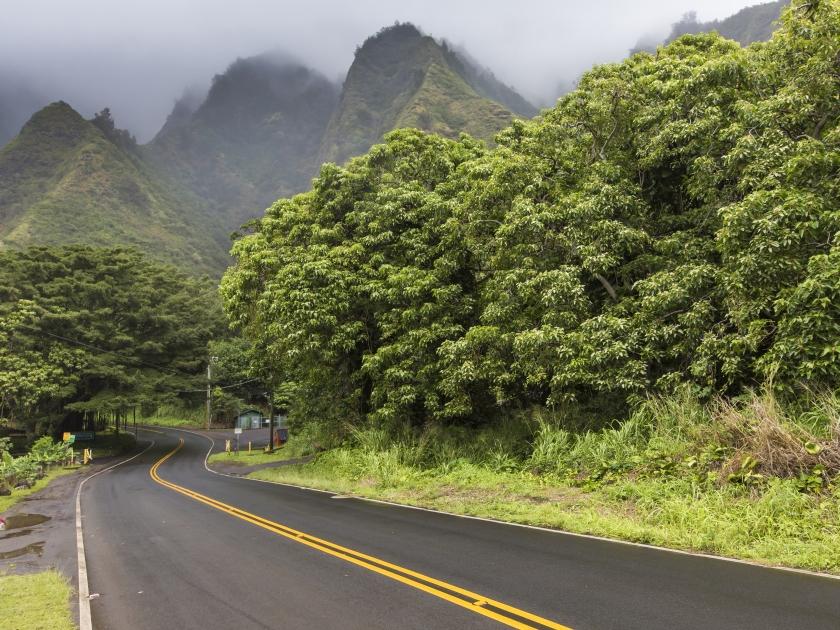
x: 42, y: 145
x: 67, y: 180
x: 403, y: 78
x: 183, y: 109
x: 484, y: 82
x: 58, y: 121
x: 253, y: 139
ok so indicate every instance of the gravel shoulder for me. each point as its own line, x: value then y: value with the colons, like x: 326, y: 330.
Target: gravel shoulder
x: 51, y: 544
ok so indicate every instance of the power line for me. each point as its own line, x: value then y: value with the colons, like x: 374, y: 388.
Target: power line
x: 122, y: 356
x: 190, y: 391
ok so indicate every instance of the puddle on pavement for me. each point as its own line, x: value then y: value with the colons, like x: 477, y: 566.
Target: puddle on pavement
x: 26, y: 520
x: 16, y: 553
x: 22, y: 532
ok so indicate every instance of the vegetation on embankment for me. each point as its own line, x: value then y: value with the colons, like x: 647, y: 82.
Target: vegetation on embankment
x: 678, y: 474
x: 17, y: 496
x: 106, y: 443
x: 256, y: 457
x: 632, y: 266
x: 36, y: 600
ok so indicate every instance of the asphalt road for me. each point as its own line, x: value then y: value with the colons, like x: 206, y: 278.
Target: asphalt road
x: 186, y: 557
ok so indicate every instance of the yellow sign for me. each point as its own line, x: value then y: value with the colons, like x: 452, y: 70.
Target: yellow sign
x: 66, y: 436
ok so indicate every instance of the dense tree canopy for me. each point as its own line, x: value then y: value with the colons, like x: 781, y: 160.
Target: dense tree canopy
x: 97, y: 329
x: 672, y: 220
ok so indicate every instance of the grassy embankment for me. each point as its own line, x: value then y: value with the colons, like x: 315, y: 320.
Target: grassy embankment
x: 170, y: 421
x: 36, y: 600
x: 750, y: 480
x: 257, y: 457
x: 105, y: 443
x: 19, y: 495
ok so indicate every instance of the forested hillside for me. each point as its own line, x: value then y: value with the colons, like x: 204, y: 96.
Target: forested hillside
x: 401, y: 78
x: 485, y: 83
x: 672, y: 221
x: 252, y: 140
x: 67, y: 180
x: 751, y: 24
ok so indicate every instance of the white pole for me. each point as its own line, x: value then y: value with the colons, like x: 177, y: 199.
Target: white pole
x: 208, y: 396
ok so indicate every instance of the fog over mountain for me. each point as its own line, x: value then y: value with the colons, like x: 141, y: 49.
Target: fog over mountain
x: 140, y: 58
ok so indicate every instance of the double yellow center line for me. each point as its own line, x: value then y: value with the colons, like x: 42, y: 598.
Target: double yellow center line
x: 502, y: 613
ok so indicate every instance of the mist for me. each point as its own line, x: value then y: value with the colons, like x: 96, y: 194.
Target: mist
x: 140, y: 59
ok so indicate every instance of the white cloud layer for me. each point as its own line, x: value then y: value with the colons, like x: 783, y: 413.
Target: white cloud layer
x: 138, y: 57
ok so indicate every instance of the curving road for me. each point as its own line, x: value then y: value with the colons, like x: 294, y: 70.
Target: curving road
x: 189, y: 548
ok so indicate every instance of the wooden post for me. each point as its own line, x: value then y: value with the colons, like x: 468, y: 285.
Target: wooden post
x: 271, y: 423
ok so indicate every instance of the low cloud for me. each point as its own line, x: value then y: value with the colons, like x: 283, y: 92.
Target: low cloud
x: 138, y: 58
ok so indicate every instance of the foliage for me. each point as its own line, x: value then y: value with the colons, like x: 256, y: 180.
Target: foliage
x: 675, y: 475
x: 671, y: 221
x: 97, y: 330
x: 46, y: 451
x: 34, y: 372
x: 104, y: 121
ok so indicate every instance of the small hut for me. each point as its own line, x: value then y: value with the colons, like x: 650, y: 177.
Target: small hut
x: 249, y: 418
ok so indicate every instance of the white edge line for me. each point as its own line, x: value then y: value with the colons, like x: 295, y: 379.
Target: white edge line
x: 499, y: 522
x: 84, y: 590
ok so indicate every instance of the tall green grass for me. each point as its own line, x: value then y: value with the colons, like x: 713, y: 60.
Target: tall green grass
x: 750, y: 478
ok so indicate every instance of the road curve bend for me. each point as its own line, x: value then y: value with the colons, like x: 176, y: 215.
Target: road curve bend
x: 169, y: 544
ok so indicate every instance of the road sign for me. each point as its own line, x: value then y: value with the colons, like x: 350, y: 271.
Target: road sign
x: 70, y: 439
x: 237, y: 431
x: 83, y: 436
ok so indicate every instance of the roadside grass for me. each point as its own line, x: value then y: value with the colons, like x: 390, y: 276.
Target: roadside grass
x: 7, y: 502
x: 750, y: 480
x: 38, y: 600
x: 171, y: 421
x: 257, y: 457
x: 105, y: 443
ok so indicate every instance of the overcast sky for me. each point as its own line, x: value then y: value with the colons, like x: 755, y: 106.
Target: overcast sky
x: 138, y: 57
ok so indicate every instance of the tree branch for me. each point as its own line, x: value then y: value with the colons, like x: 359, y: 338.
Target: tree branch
x: 818, y: 129
x: 607, y: 286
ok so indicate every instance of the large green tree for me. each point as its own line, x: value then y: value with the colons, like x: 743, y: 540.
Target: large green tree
x: 143, y: 328
x: 671, y: 220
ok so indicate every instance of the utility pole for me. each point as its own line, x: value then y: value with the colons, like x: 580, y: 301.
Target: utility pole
x: 212, y: 360
x: 271, y: 422
x: 208, y: 396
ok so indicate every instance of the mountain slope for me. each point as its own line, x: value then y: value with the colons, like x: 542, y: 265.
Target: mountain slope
x: 485, y: 83
x: 401, y: 78
x: 252, y: 140
x: 63, y: 181
x: 751, y: 24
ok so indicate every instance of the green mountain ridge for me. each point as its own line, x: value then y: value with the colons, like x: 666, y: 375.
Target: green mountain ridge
x: 751, y: 24
x: 252, y: 141
x: 62, y: 181
x: 485, y: 83
x: 402, y: 78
